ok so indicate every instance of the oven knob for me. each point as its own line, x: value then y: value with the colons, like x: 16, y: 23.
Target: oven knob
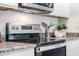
x: 34, y: 28
x: 38, y: 49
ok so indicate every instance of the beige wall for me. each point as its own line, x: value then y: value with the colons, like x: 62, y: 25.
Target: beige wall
x: 61, y: 9
x: 73, y: 22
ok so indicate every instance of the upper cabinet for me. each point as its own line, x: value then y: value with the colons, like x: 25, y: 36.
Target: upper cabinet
x: 61, y: 9
x: 9, y: 5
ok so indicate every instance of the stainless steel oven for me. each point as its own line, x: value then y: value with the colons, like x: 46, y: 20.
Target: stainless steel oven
x: 23, y: 32
x: 51, y: 49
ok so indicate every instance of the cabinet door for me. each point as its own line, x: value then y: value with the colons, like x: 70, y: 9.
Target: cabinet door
x: 9, y: 5
x: 73, y: 48
x: 61, y: 9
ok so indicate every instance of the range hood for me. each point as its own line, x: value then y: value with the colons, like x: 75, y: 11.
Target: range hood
x: 37, y: 8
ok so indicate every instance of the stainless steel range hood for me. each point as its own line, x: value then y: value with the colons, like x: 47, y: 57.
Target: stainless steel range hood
x: 37, y: 8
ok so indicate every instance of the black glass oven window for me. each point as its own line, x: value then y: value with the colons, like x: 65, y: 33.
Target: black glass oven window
x: 26, y: 27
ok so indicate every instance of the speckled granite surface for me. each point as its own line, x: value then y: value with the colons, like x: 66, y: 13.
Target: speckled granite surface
x: 9, y: 47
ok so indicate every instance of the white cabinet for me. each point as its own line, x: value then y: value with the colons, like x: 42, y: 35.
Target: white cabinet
x: 73, y: 48
x: 9, y: 5
x: 61, y: 9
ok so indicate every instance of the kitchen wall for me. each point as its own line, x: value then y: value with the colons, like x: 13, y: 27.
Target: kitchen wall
x: 18, y: 17
x: 73, y: 22
x: 62, y: 21
x: 61, y: 9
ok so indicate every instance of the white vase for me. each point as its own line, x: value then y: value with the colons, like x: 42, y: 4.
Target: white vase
x: 60, y: 34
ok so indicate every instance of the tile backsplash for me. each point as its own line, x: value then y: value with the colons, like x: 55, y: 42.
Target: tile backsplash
x: 72, y: 35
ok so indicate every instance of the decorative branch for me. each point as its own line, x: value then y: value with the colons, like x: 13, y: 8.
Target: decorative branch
x: 46, y: 30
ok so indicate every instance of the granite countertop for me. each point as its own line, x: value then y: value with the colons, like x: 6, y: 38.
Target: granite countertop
x: 6, y: 47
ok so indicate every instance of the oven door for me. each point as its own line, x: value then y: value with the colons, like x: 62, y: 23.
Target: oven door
x: 51, y: 50
x: 28, y: 37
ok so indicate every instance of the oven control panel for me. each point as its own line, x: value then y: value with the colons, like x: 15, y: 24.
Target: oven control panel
x: 24, y: 28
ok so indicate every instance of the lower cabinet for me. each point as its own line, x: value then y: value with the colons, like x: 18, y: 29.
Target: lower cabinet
x: 72, y: 48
